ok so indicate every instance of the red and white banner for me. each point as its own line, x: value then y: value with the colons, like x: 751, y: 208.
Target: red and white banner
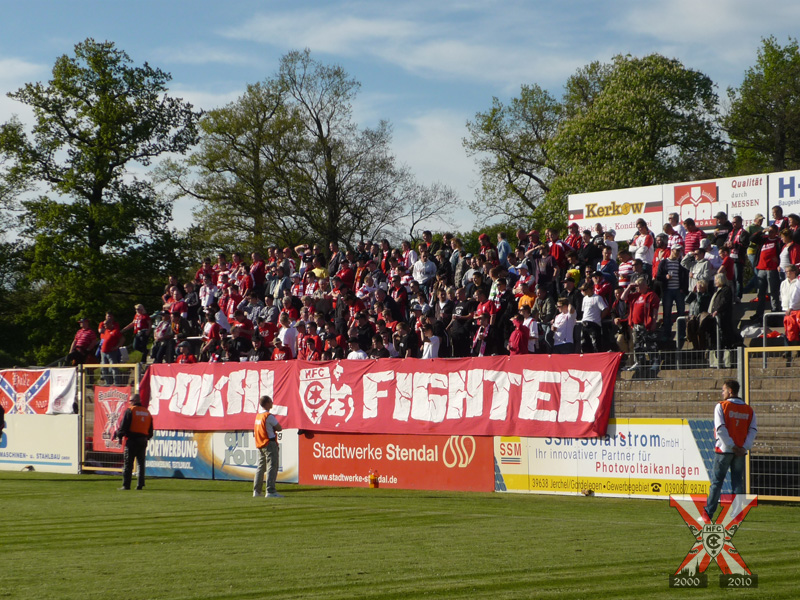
x: 109, y: 406
x: 532, y: 396
x: 37, y: 392
x: 408, y: 462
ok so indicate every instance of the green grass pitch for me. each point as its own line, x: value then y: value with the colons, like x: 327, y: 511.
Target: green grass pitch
x: 78, y: 537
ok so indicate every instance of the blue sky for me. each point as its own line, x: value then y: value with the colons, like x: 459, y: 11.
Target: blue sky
x: 426, y: 67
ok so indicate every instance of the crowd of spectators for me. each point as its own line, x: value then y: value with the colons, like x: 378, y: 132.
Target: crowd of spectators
x: 541, y: 294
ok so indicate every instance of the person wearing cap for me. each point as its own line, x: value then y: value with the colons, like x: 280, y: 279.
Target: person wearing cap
x: 698, y: 266
x: 674, y: 280
x: 136, y: 428
x: 297, y: 287
x: 593, y: 310
x: 524, y: 277
x: 643, y: 306
x: 574, y: 239
x: 185, y: 354
x: 83, y: 344
x: 723, y: 229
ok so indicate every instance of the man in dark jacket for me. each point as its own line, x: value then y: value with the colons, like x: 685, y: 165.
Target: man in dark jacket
x: 137, y: 427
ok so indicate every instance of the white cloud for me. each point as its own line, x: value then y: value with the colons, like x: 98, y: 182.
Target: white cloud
x: 430, y: 144
x: 198, y: 54
x: 15, y: 72
x: 719, y: 36
x: 473, y: 43
x: 201, y: 99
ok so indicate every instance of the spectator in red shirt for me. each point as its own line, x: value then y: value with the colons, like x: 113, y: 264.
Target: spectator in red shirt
x: 767, y: 269
x: 185, y: 354
x: 111, y: 340
x: 693, y: 237
x: 85, y: 342
x: 141, y: 325
x: 643, y: 317
x: 518, y: 342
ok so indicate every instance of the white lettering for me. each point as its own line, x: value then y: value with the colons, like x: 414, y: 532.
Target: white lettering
x: 580, y: 393
x: 426, y: 405
x: 535, y: 404
x: 372, y: 394
x: 500, y: 392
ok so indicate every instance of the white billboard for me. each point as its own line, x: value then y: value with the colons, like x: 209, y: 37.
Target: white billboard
x: 637, y: 458
x: 48, y: 443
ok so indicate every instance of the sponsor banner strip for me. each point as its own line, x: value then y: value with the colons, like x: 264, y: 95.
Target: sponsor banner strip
x: 533, y: 396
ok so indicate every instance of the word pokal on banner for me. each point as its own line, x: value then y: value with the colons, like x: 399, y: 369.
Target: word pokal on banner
x: 533, y: 395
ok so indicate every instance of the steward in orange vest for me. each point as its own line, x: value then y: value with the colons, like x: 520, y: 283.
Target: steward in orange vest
x: 137, y: 428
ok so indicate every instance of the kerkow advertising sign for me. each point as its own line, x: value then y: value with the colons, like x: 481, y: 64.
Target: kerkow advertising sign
x: 411, y: 462
x: 533, y: 396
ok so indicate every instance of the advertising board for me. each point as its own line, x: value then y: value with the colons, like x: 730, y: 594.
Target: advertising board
x: 216, y: 455
x: 48, y: 443
x: 637, y: 458
x: 619, y: 209
x: 411, y: 462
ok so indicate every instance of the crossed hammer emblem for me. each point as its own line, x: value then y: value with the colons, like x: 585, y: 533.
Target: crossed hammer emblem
x: 713, y: 541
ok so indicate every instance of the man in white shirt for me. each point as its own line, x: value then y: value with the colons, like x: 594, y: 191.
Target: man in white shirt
x: 430, y: 348
x: 288, y: 333
x: 356, y: 353
x: 675, y: 221
x: 594, y: 309
x: 424, y: 271
x: 790, y: 301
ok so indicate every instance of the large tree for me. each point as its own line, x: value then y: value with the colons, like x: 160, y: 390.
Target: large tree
x: 763, y: 120
x: 512, y: 146
x: 286, y: 162
x: 237, y: 172
x: 631, y: 122
x: 648, y: 120
x: 97, y: 235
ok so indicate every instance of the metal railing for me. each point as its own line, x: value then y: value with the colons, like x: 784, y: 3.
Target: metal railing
x: 764, y: 334
x: 683, y: 320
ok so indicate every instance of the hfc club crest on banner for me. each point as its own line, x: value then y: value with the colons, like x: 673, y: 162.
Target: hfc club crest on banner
x: 324, y: 397
x: 713, y: 542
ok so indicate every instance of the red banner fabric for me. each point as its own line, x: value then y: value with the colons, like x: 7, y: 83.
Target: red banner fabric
x: 531, y: 396
x: 420, y: 462
x: 109, y: 406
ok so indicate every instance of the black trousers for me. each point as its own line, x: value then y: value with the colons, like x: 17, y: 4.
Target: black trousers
x: 135, y: 448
